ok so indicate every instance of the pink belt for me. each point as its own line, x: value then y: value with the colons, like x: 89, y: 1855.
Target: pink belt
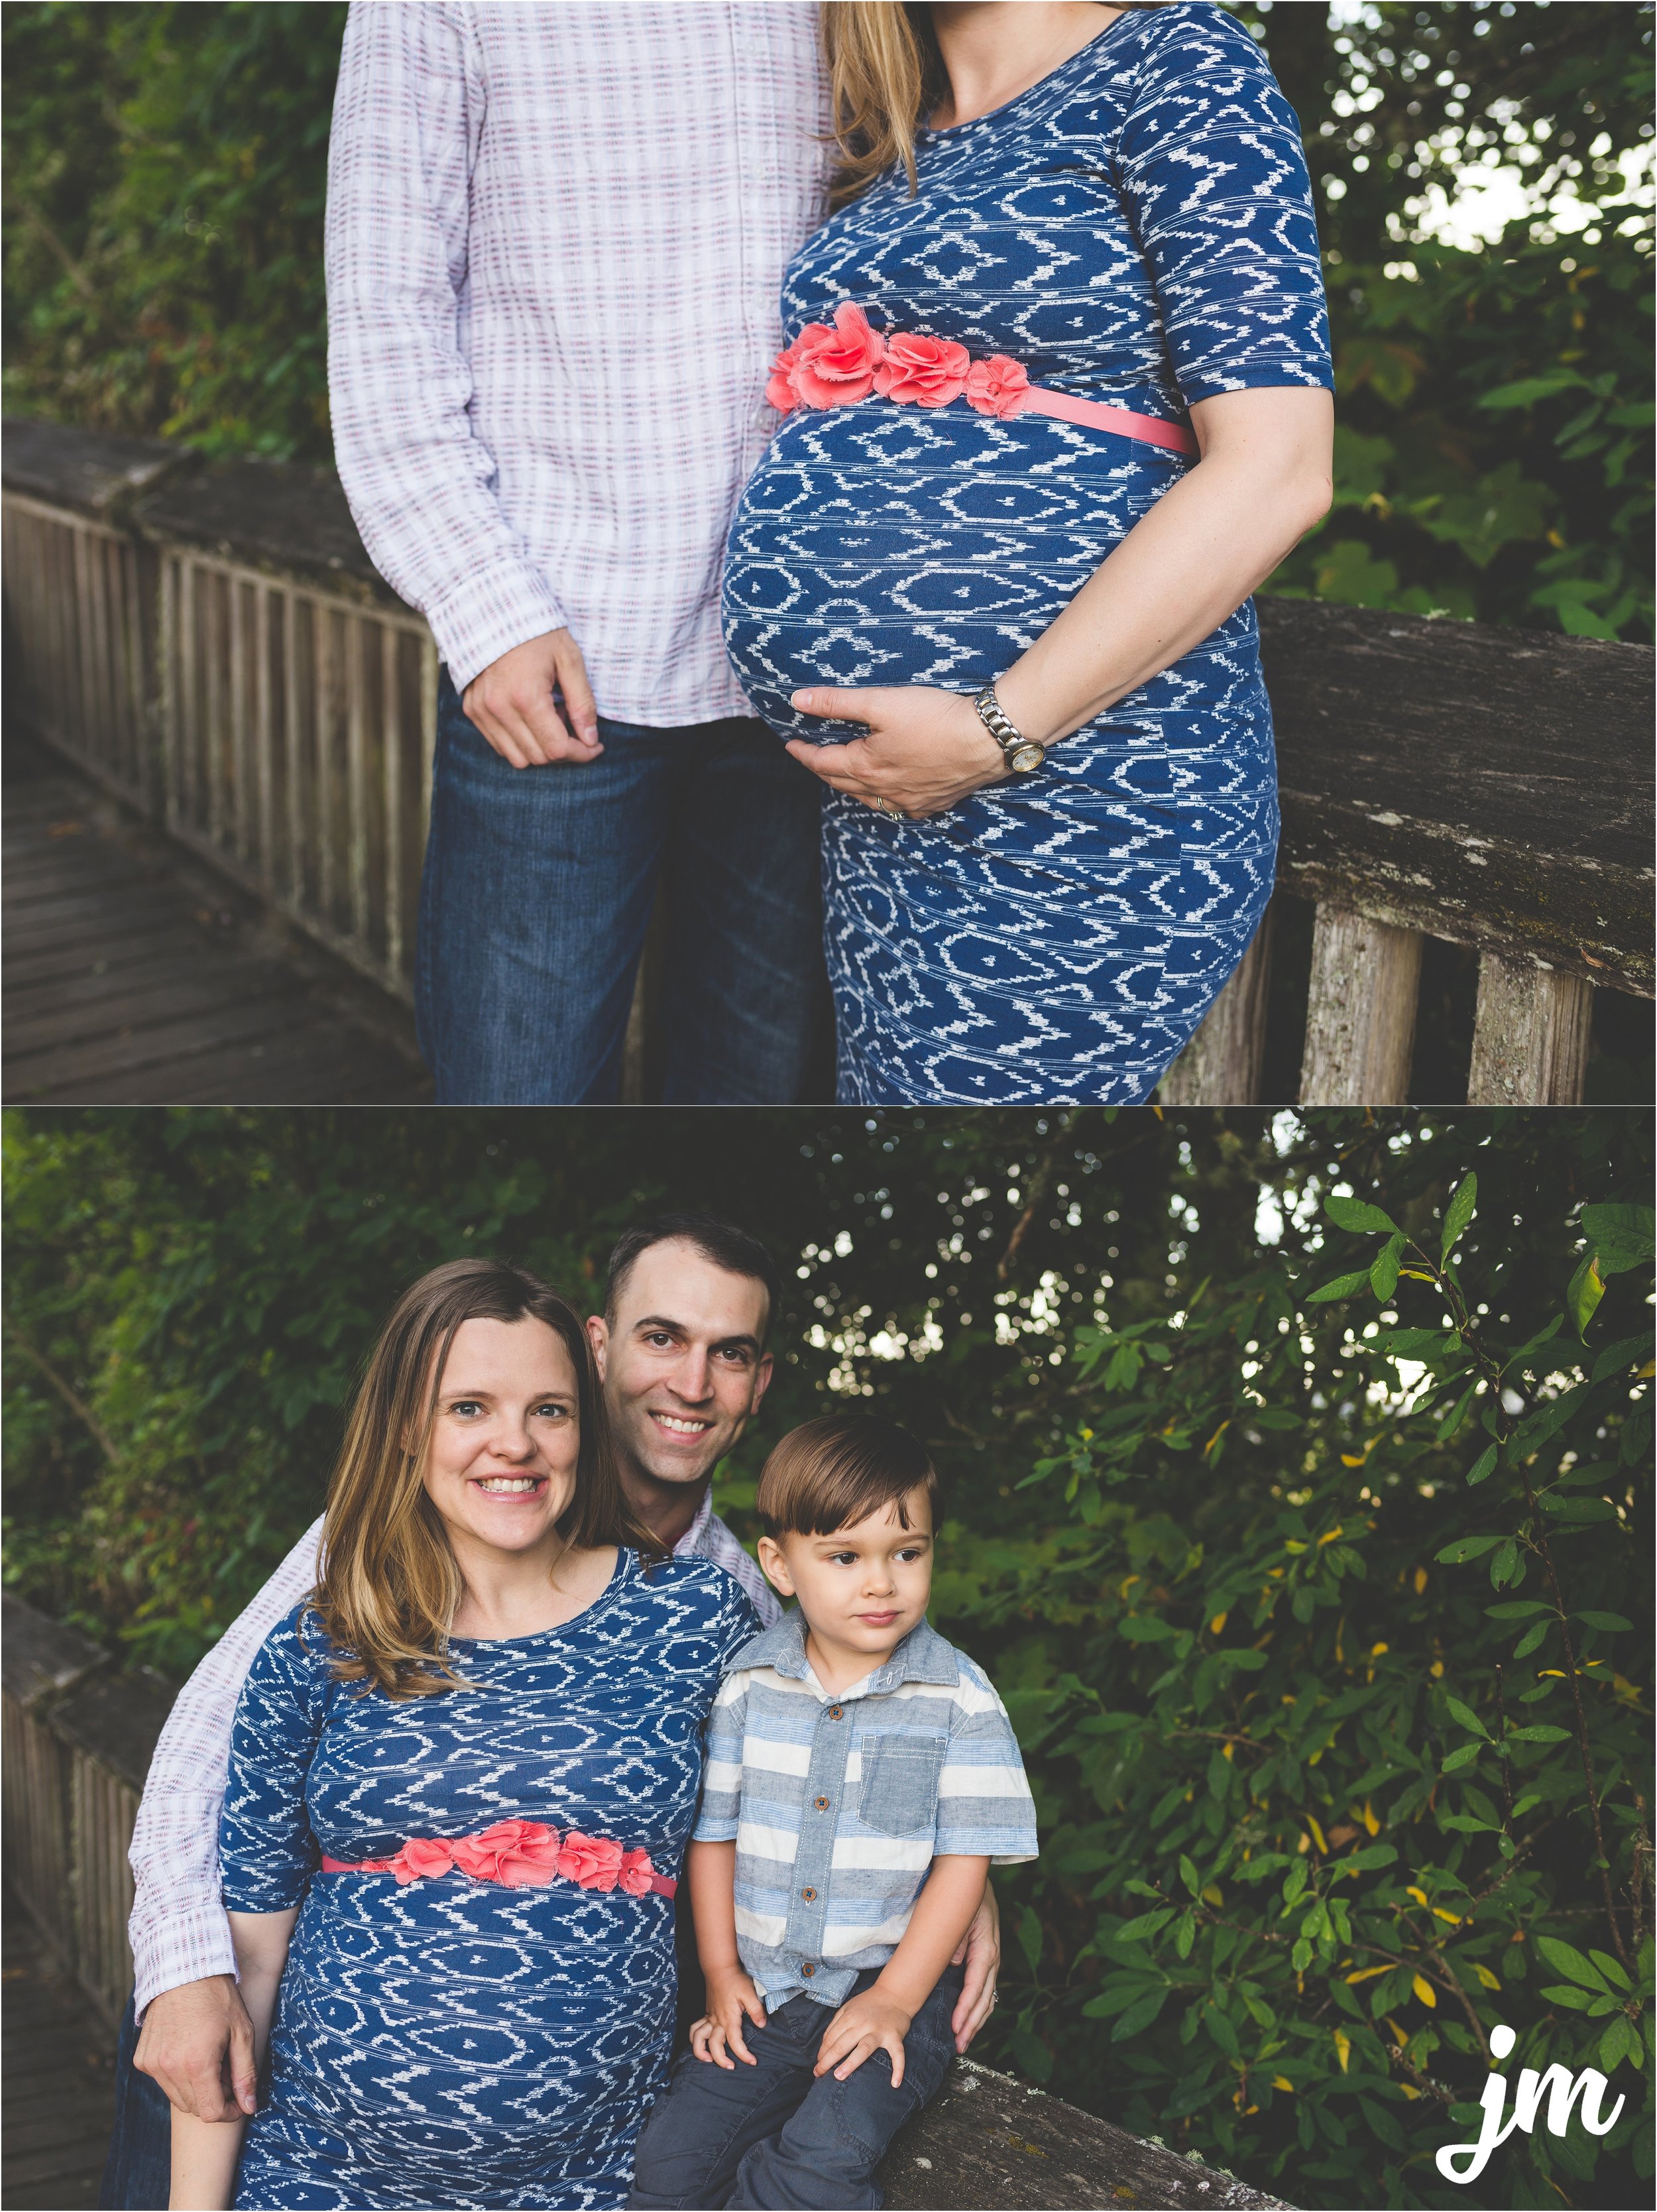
x: 826, y: 368
x: 522, y: 1854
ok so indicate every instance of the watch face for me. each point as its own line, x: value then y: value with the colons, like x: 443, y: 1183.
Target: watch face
x: 1022, y: 758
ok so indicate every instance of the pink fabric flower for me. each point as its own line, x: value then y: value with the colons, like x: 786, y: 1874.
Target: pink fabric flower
x: 831, y: 369
x: 594, y: 1862
x: 780, y: 389
x: 931, y: 372
x: 997, y: 386
x: 421, y: 1858
x: 519, y: 1853
x: 636, y: 1873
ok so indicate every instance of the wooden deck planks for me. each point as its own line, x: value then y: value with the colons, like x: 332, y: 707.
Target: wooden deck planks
x: 56, y: 2079
x: 134, y: 977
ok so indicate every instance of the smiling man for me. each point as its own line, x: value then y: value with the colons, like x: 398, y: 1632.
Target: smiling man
x: 681, y: 1345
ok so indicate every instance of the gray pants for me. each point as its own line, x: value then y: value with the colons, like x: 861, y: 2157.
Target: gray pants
x: 773, y: 2136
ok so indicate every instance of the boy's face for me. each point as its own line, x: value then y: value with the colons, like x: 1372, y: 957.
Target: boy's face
x: 862, y: 1589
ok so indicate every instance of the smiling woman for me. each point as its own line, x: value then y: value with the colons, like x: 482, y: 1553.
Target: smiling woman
x: 462, y: 1777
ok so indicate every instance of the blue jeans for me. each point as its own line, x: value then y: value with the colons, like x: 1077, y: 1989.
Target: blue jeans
x: 773, y: 2135
x: 537, y: 893
x: 138, y: 2172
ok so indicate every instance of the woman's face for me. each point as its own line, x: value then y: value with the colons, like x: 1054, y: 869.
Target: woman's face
x: 502, y: 1467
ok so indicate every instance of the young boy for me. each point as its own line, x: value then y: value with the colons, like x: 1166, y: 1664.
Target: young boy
x: 862, y: 1776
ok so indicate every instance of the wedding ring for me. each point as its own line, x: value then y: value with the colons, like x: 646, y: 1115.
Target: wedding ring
x: 886, y: 806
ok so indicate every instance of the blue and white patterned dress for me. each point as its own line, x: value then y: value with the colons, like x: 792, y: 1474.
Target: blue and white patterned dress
x: 457, y: 2043
x: 1137, y: 229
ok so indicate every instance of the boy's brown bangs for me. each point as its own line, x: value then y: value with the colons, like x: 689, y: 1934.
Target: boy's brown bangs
x: 838, y: 1470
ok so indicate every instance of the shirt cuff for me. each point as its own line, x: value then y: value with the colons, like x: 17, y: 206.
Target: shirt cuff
x: 710, y: 1829
x: 492, y: 611
x: 189, y: 1946
x: 1214, y: 380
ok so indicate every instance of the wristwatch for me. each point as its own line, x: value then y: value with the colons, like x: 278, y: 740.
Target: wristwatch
x: 1021, y: 754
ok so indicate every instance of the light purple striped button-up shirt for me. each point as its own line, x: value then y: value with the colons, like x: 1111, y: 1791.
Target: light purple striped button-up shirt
x: 555, y: 238
x: 178, y: 1929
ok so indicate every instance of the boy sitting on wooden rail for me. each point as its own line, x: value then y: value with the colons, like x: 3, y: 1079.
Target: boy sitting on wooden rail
x: 862, y: 1775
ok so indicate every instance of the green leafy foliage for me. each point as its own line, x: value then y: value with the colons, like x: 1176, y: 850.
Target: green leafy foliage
x: 1493, y: 453
x: 1324, y: 1621
x: 165, y: 172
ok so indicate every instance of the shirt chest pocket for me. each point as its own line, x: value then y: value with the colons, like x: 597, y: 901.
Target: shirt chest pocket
x: 901, y: 1772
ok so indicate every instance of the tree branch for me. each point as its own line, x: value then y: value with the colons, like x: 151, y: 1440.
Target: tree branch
x: 77, y: 1406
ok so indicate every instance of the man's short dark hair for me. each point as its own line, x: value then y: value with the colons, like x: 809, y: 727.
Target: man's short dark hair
x: 720, y: 1242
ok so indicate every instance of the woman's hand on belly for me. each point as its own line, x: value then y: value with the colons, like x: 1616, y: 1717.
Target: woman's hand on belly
x: 925, y: 751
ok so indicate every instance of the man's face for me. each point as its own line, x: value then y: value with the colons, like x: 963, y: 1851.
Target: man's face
x: 681, y: 1361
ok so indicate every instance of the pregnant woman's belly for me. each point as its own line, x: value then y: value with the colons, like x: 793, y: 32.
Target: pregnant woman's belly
x: 457, y: 2043
x: 884, y: 544
x: 877, y: 544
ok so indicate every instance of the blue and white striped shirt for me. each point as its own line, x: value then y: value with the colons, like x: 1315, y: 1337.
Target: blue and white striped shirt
x: 839, y: 1805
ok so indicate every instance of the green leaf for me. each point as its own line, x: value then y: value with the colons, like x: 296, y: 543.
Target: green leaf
x: 1372, y: 1855
x: 1539, y: 1734
x: 1189, y: 1876
x: 1222, y: 2030
x: 1583, y: 1293
x: 1614, y: 2042
x: 1457, y: 1414
x: 1484, y: 1465
x: 1546, y: 1421
x: 1383, y: 1275
x: 1580, y: 1509
x: 1610, y: 1969
x: 1526, y: 391
x: 1468, y: 1717
x: 1030, y: 1937
x: 1138, y: 2016
x: 1624, y: 1237
x: 1465, y: 1549
x: 1615, y: 1357
x: 1144, y: 1628
x: 1132, y: 1931
x: 1614, y: 1623
x: 1530, y: 1640
x: 1343, y: 1286
x: 1464, y: 1756
x: 1458, y: 1214
x: 1573, y: 1999
x: 1516, y: 1608
x: 1433, y: 1343
x: 1353, y: 1213
x: 1564, y: 1959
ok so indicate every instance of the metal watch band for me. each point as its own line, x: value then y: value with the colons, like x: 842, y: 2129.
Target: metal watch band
x: 1021, y: 754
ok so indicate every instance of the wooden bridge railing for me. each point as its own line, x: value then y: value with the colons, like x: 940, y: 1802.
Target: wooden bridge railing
x: 214, y: 646
x: 78, y: 1739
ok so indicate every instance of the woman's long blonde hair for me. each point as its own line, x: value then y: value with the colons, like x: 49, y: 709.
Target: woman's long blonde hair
x: 389, y: 1585
x: 885, y: 75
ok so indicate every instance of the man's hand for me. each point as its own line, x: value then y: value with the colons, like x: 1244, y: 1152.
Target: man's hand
x: 982, y: 1953
x: 925, y: 751
x: 196, y: 2041
x: 732, y: 1998
x: 511, y: 703
x: 873, y: 2021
